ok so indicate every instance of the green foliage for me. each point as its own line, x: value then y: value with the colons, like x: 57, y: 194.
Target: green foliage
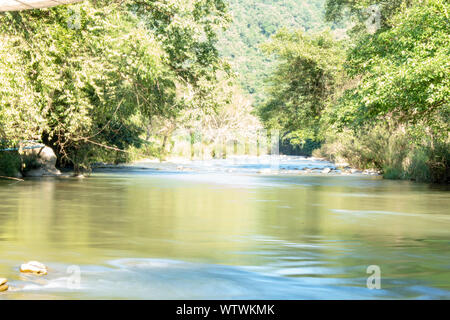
x: 439, y: 162
x: 10, y: 163
x: 306, y: 148
x: 397, y: 153
x: 90, y: 76
x: 188, y: 33
x: 403, y: 70
x: 231, y: 120
x: 372, y: 149
x: 309, y: 70
x: 357, y: 10
x: 418, y: 168
x: 390, y: 109
x: 29, y: 162
x: 254, y: 22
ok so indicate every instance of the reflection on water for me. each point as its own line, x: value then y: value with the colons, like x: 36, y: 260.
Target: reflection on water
x: 147, y: 234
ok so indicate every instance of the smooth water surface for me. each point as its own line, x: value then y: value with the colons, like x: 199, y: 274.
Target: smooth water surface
x: 224, y: 233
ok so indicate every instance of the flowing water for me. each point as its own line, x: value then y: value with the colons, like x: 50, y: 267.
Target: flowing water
x: 220, y: 230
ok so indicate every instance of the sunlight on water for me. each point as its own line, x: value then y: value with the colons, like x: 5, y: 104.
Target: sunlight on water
x: 215, y: 234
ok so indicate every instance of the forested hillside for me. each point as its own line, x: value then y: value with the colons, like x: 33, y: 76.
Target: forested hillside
x: 254, y: 21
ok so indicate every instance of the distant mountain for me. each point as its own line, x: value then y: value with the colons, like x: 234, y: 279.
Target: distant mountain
x: 254, y: 21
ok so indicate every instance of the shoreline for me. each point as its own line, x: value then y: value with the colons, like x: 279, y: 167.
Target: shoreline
x: 264, y: 165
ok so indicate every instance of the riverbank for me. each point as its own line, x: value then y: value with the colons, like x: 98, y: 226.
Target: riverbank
x: 40, y: 162
x: 398, y: 155
x: 262, y: 165
x: 36, y: 160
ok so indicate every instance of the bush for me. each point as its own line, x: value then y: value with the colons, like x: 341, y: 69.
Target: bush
x: 365, y: 151
x: 145, y: 150
x: 10, y: 163
x: 439, y: 163
x: 304, y: 149
x: 29, y: 162
x: 397, y: 153
x: 418, y: 168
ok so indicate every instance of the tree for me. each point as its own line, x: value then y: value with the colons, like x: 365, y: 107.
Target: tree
x: 309, y: 70
x: 394, y: 112
x: 359, y: 10
x: 85, y: 78
x: 403, y: 71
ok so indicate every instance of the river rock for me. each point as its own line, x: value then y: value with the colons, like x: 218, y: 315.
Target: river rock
x: 43, y: 172
x: 371, y: 172
x: 3, y: 285
x: 45, y: 155
x: 353, y: 171
x: 34, y: 267
x: 46, y: 159
x: 326, y: 170
x: 342, y: 164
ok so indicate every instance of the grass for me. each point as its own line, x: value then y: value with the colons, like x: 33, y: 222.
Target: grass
x: 396, y: 153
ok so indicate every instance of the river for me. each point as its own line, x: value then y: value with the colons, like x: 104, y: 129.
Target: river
x: 221, y: 230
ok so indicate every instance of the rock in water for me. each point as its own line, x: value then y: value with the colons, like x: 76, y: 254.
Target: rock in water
x: 3, y: 285
x: 46, y: 160
x: 326, y: 170
x: 34, y: 267
x: 43, y: 172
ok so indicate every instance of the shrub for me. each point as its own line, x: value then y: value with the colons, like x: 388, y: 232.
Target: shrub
x: 10, y: 163
x: 398, y: 153
x: 303, y: 149
x: 418, y: 168
x: 29, y: 162
x: 439, y: 162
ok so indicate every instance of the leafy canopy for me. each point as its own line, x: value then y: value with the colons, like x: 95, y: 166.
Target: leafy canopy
x: 309, y: 69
